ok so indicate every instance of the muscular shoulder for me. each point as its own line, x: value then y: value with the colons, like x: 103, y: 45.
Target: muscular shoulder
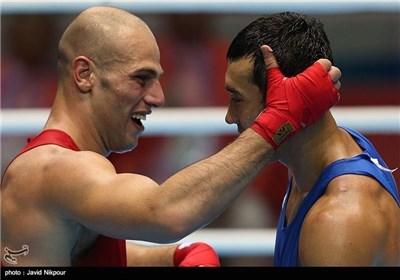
x: 350, y: 220
x: 82, y: 164
x: 50, y: 167
x: 58, y: 165
x: 351, y: 197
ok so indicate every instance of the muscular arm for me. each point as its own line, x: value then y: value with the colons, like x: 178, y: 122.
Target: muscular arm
x: 131, y: 206
x: 211, y: 184
x: 142, y: 255
x: 134, y: 207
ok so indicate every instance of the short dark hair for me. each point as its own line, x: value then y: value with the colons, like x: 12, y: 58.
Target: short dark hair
x: 297, y: 41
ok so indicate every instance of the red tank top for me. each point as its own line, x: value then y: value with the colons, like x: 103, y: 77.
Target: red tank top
x: 106, y: 251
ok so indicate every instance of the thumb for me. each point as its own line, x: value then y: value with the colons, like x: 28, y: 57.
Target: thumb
x: 274, y: 74
x: 269, y: 58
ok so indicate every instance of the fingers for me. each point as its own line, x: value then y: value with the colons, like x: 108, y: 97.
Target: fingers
x: 276, y: 75
x: 325, y: 63
x: 334, y: 72
x: 337, y: 85
x: 269, y: 58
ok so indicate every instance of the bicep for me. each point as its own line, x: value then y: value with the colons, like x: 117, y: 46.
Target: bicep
x: 91, y: 193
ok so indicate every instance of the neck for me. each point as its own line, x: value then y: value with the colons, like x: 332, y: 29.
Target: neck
x: 71, y: 117
x: 313, y: 149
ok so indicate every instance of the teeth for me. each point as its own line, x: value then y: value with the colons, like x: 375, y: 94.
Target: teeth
x: 139, y: 117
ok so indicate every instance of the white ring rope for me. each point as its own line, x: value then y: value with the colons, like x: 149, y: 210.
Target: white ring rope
x: 234, y: 242
x: 208, y: 120
x: 208, y: 6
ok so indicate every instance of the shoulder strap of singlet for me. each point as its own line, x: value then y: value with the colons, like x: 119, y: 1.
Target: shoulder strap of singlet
x: 51, y: 136
x: 362, y: 165
x: 46, y: 137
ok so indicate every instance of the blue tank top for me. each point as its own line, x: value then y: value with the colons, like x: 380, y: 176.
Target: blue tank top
x: 368, y: 163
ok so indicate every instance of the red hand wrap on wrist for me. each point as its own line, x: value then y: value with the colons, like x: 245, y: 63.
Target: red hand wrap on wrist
x: 294, y: 103
x: 196, y: 254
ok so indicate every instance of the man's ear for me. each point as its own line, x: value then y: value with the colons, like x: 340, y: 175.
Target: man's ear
x: 82, y: 73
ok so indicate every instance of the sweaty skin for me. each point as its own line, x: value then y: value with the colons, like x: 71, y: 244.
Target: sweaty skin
x: 58, y: 201
x: 356, y: 222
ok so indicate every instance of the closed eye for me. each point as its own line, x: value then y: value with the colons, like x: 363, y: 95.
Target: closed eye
x: 143, y: 80
x: 235, y: 95
x: 236, y: 100
x: 144, y: 77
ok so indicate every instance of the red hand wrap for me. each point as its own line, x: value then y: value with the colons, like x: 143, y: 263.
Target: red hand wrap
x: 196, y: 254
x: 294, y: 103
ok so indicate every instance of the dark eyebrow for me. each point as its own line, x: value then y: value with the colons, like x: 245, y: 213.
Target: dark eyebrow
x: 232, y: 90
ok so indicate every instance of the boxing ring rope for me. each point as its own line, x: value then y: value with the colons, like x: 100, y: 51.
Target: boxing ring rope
x: 208, y: 122
x: 208, y: 6
x: 231, y: 242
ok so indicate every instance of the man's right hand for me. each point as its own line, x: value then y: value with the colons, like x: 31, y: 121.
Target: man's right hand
x: 296, y: 102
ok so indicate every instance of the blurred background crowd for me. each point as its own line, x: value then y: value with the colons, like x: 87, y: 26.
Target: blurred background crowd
x: 366, y: 47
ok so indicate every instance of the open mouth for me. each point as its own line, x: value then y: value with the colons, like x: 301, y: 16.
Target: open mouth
x: 138, y: 118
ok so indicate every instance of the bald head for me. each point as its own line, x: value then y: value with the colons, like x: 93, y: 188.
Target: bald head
x: 99, y: 33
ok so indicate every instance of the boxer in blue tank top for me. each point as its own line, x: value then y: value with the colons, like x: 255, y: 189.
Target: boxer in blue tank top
x: 342, y: 204
x: 369, y: 163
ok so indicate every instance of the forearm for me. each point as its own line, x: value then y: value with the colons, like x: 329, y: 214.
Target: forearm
x: 197, y: 254
x: 200, y: 192
x: 144, y: 255
x: 193, y: 197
